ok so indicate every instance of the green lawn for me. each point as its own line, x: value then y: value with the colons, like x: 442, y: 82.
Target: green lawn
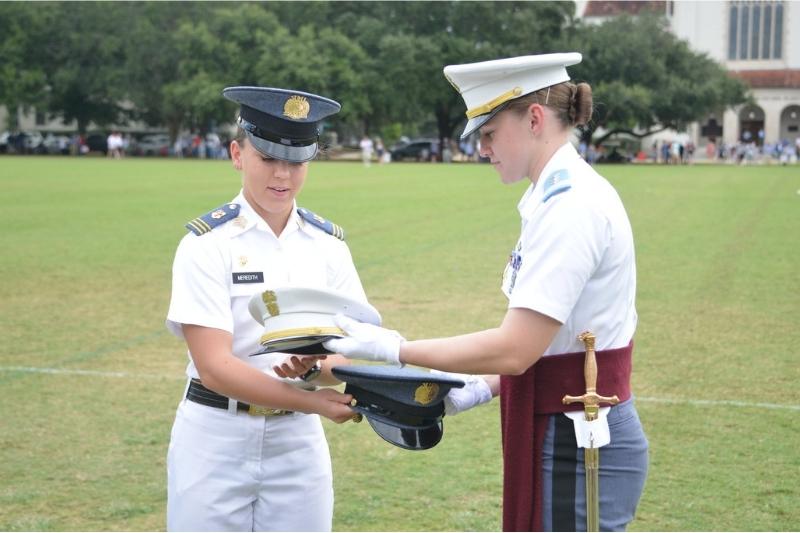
x: 90, y: 378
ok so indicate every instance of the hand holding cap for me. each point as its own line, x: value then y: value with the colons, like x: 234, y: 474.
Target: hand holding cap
x: 476, y: 391
x: 366, y: 341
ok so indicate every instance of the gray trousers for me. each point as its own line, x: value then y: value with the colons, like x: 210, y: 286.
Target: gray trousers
x: 623, y: 470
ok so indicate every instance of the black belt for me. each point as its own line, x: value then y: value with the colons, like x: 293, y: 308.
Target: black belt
x: 198, y: 393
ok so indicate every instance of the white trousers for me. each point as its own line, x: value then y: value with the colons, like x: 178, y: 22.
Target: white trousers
x: 237, y: 472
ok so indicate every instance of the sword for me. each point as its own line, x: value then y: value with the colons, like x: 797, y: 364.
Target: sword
x: 591, y: 406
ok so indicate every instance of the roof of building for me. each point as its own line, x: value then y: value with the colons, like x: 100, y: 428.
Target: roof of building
x: 770, y: 79
x: 610, y: 8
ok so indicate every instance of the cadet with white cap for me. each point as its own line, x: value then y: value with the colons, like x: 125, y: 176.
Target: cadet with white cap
x: 247, y: 450
x: 572, y: 270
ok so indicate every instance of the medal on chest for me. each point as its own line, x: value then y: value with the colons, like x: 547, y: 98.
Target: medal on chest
x: 512, y: 268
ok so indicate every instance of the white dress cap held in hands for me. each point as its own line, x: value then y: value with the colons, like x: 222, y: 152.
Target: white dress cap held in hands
x: 487, y: 86
x: 298, y: 319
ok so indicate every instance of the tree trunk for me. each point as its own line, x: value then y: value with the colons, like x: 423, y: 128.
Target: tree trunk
x: 586, y: 135
x: 13, y: 118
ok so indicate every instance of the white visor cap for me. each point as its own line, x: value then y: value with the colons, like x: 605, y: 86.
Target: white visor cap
x: 487, y: 86
x: 299, y: 319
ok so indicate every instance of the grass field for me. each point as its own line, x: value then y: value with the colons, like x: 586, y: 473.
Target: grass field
x: 89, y: 377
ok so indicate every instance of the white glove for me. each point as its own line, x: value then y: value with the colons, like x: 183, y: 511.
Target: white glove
x: 476, y: 391
x: 366, y: 341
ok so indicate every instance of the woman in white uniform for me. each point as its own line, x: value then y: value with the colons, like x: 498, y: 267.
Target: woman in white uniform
x: 572, y: 269
x: 248, y: 452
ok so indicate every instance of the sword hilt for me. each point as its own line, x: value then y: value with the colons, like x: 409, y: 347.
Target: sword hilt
x: 590, y: 400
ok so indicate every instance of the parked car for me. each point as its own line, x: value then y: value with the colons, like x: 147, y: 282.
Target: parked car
x: 417, y: 150
x: 97, y: 142
x: 153, y: 144
x: 34, y: 143
x: 615, y: 156
x: 56, y: 144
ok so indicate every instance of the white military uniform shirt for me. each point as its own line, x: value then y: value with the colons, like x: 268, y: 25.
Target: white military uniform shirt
x: 215, y: 274
x: 228, y: 470
x: 574, y: 260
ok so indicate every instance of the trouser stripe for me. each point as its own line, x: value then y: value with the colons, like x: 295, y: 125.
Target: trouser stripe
x: 564, y: 474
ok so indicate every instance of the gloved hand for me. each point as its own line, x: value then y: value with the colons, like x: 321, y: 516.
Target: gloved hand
x: 476, y: 391
x: 366, y: 341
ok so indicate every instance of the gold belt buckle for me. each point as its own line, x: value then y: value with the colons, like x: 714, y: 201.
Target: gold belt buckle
x: 257, y: 410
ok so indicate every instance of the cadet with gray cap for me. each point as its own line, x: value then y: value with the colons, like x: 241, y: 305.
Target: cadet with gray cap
x: 248, y: 450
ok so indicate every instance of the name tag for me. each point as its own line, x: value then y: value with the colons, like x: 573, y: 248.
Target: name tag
x: 248, y: 277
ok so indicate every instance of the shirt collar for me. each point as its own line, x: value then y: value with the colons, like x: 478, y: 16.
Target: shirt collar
x: 248, y: 218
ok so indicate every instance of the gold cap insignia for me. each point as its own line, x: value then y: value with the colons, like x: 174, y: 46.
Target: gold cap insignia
x: 219, y: 213
x: 425, y: 393
x: 271, y: 301
x: 296, y: 107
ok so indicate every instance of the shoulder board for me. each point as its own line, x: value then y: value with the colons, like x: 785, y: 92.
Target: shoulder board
x: 212, y: 219
x: 325, y: 225
x: 556, y: 183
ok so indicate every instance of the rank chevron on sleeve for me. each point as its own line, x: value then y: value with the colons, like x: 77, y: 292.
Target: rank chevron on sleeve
x: 212, y: 219
x: 556, y: 183
x: 325, y: 225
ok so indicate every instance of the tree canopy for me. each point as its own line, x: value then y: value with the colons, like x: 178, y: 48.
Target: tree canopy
x: 166, y: 63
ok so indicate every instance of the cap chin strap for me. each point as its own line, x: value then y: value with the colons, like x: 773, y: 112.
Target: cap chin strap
x: 488, y: 106
x: 263, y: 134
x: 416, y: 416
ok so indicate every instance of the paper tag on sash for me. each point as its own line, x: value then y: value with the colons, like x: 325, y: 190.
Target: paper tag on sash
x: 594, y: 434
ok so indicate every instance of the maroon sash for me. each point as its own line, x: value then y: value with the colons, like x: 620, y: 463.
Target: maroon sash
x: 526, y: 401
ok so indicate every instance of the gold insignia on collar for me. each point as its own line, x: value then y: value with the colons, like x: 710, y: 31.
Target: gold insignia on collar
x: 240, y: 221
x: 296, y: 107
x: 425, y: 393
x: 219, y: 213
x: 242, y: 260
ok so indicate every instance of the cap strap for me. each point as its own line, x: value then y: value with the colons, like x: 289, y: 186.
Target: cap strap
x: 263, y: 134
x: 487, y: 107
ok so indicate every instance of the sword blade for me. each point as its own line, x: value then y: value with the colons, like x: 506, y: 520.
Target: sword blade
x: 591, y: 463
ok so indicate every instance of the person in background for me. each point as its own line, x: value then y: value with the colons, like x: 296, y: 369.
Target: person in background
x: 572, y: 269
x: 379, y: 150
x: 366, y: 150
x: 114, y: 145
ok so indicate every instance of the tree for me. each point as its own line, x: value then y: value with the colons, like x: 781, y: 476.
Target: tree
x: 412, y: 41
x: 82, y: 50
x: 22, y: 74
x: 644, y: 79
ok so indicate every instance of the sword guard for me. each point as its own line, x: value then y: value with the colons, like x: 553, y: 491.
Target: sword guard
x: 590, y: 400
